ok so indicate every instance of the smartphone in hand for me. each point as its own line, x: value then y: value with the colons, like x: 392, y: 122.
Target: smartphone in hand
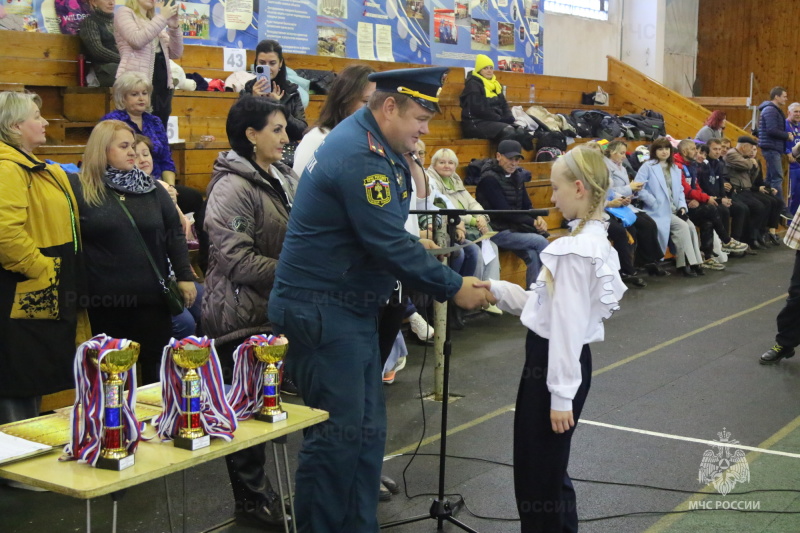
x: 262, y: 73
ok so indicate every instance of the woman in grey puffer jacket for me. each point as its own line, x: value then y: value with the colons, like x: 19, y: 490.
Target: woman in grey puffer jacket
x: 249, y: 199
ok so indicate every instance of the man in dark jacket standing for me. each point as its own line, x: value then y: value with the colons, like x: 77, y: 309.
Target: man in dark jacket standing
x: 344, y: 251
x: 772, y: 137
x: 502, y: 187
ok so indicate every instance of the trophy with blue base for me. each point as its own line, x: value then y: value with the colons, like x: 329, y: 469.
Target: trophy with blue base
x: 114, y: 454
x: 271, y: 354
x: 191, y: 435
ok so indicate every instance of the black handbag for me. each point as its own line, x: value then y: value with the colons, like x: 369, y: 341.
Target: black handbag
x: 170, y: 293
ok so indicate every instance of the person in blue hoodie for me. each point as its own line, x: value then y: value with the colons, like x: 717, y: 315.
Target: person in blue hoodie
x: 772, y: 137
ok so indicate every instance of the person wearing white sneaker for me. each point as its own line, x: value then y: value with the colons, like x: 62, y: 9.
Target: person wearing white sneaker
x: 734, y: 247
x: 421, y: 328
x: 494, y: 310
x: 712, y: 264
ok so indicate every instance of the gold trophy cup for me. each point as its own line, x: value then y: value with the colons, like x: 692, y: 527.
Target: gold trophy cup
x: 114, y: 454
x: 191, y: 435
x: 271, y: 410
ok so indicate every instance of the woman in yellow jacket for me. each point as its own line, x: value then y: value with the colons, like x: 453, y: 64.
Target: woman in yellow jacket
x: 40, y: 287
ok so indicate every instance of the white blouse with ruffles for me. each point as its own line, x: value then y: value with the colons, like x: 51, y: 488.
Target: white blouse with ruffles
x: 586, y: 290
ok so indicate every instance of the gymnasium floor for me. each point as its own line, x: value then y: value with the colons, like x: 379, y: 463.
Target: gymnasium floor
x: 679, y: 365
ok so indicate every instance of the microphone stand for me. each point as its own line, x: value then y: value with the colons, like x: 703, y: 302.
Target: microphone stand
x: 443, y: 509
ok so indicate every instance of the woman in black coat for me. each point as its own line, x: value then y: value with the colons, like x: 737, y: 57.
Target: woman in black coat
x: 124, y: 295
x: 269, y: 53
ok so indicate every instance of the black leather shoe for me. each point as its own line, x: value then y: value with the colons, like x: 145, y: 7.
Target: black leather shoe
x: 774, y: 239
x: 758, y: 244
x: 698, y: 270
x: 266, y: 516
x: 775, y: 354
x: 456, y: 316
x: 288, y: 386
x: 654, y: 270
x: 688, y: 272
x: 636, y: 281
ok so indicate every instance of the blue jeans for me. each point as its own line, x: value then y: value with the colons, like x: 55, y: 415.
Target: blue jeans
x: 774, y: 177
x: 185, y: 324
x: 465, y: 261
x: 527, y: 247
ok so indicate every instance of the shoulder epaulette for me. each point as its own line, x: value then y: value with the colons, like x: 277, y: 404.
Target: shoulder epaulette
x: 375, y: 146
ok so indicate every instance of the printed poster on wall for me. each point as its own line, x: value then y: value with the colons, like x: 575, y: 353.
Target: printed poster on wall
x: 228, y: 23
x: 441, y: 32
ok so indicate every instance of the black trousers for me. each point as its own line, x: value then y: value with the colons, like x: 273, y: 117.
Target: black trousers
x: 390, y: 320
x: 150, y: 326
x: 645, y: 232
x: 544, y: 491
x: 740, y: 219
x: 14, y: 409
x: 758, y: 213
x: 774, y: 207
x: 707, y: 218
x: 161, y: 99
x: 618, y: 236
x: 789, y: 317
x: 246, y: 468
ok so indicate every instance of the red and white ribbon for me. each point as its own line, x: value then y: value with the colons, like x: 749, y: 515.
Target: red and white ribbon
x: 88, y: 413
x: 246, y: 394
x: 216, y: 415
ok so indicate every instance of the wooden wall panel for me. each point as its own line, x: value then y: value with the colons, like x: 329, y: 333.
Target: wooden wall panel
x: 736, y: 38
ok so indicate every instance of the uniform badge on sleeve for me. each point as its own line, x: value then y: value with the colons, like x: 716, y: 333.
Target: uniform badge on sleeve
x: 379, y: 191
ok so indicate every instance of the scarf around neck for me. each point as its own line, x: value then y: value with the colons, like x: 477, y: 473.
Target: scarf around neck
x: 491, y: 87
x: 129, y: 182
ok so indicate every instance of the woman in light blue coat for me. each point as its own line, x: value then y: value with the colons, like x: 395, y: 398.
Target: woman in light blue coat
x: 664, y: 200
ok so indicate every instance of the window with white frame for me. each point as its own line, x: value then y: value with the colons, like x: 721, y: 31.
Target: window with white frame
x: 592, y: 9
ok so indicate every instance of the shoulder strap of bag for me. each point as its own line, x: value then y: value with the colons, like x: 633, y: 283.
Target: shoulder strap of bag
x: 141, y: 241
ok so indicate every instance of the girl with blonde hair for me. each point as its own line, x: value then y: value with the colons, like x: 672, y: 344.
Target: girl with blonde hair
x: 124, y: 292
x: 578, y: 287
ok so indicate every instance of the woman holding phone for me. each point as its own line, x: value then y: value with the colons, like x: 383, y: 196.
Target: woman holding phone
x: 271, y: 82
x: 622, y: 193
x: 146, y: 42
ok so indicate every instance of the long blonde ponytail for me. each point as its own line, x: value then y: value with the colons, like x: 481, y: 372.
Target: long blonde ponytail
x: 586, y: 165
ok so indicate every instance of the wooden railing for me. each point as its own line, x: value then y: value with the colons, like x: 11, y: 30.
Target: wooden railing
x: 636, y: 91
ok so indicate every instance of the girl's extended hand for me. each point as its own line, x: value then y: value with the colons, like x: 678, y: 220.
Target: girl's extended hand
x: 490, y: 299
x: 561, y: 421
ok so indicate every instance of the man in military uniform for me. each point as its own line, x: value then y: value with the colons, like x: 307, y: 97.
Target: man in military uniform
x: 345, y: 248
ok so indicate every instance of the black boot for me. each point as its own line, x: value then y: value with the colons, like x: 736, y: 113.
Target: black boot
x: 256, y: 502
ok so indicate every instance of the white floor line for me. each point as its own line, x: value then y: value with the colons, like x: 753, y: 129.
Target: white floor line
x: 689, y: 439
